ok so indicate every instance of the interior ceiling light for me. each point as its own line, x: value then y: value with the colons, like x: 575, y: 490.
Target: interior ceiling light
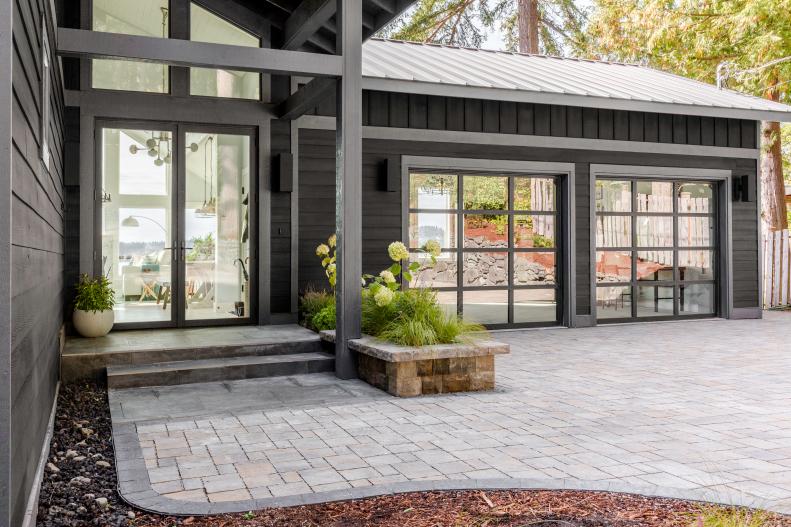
x: 209, y: 207
x: 157, y: 147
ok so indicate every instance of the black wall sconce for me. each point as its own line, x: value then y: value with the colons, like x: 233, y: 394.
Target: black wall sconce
x: 283, y: 172
x: 390, y: 174
x: 743, y: 188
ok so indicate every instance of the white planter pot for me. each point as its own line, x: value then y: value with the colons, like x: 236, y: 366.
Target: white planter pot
x: 93, y: 323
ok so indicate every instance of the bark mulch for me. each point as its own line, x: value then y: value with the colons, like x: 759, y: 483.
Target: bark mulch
x: 79, y: 489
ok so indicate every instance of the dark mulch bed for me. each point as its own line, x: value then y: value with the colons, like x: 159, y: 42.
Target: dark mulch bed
x: 82, y: 448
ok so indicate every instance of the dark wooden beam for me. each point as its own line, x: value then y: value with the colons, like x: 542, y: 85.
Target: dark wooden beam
x: 348, y: 187
x: 306, y: 98
x: 306, y: 20
x: 93, y: 44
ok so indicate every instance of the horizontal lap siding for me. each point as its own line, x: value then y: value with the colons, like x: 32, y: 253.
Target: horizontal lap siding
x: 382, y: 217
x: 280, y: 231
x: 37, y: 273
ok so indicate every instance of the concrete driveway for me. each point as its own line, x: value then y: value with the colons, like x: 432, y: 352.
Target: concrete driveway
x: 695, y: 409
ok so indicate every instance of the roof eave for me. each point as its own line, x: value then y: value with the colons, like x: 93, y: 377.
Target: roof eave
x: 586, y: 101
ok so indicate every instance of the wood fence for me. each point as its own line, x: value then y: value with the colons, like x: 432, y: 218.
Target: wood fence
x: 777, y: 269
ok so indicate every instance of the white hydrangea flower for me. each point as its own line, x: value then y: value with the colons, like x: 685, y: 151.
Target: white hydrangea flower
x: 387, y: 276
x: 322, y: 250
x: 433, y: 248
x: 383, y: 296
x: 331, y: 268
x: 397, y: 251
x: 332, y: 240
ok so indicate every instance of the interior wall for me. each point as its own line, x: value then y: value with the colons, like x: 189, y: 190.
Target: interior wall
x: 37, y: 279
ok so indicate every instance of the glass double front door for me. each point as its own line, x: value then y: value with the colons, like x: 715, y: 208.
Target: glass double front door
x: 176, y: 225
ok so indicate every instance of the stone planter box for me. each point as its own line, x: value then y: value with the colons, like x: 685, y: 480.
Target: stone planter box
x: 406, y: 371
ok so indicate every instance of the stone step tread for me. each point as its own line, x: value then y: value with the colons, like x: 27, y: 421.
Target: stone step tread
x: 205, y: 364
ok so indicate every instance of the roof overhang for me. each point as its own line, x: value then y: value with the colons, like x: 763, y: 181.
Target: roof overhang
x: 585, y: 101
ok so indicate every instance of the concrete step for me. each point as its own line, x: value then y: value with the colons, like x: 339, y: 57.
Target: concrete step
x: 218, y: 369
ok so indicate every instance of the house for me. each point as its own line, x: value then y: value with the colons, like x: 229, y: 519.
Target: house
x: 207, y: 147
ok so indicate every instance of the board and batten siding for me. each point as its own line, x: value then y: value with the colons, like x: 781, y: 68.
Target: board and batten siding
x: 37, y: 242
x: 382, y: 210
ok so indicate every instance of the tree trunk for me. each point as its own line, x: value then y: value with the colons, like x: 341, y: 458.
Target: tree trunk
x: 528, y: 26
x: 772, y: 184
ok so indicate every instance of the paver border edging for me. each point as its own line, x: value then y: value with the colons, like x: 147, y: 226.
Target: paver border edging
x: 134, y: 487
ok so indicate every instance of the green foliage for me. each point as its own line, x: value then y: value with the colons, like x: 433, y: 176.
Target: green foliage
x: 324, y: 319
x: 542, y: 241
x: 414, y: 318
x: 731, y: 517
x: 94, y: 294
x: 311, y: 303
x: 203, y: 248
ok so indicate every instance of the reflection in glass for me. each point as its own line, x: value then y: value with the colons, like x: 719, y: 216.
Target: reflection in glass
x: 613, y: 231
x: 613, y: 302
x: 438, y: 226
x: 534, y: 230
x: 613, y: 196
x: 696, y: 264
x: 696, y: 299
x: 654, y: 196
x: 208, y: 27
x: 136, y: 222
x: 535, y: 305
x: 485, y: 269
x: 485, y: 192
x: 695, y: 231
x: 535, y: 194
x: 655, y: 265
x: 149, y: 18
x: 534, y: 268
x: 654, y: 231
x: 432, y: 191
x: 485, y: 230
x: 486, y: 307
x: 613, y: 266
x: 444, y: 273
x: 696, y: 197
x: 448, y: 301
x: 654, y: 301
x: 217, y: 228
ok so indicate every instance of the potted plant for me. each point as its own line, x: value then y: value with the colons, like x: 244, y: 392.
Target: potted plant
x: 93, y: 306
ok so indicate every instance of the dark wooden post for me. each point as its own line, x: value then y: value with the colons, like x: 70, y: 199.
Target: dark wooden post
x: 348, y: 185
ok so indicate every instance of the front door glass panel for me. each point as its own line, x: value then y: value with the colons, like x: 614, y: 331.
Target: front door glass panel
x: 216, y: 254
x: 136, y: 211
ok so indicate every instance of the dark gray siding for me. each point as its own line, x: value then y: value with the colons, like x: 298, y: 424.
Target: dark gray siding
x: 431, y: 112
x: 382, y: 212
x: 280, y: 296
x: 37, y: 248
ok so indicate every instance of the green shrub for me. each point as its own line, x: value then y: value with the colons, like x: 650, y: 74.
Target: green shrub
x: 311, y: 303
x: 731, y: 517
x: 94, y: 294
x: 324, y: 319
x: 414, y: 318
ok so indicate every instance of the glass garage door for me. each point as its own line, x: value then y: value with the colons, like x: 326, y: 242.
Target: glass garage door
x: 499, y: 239
x: 656, y: 250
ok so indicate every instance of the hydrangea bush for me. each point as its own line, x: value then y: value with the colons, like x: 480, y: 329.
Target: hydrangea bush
x: 410, y: 317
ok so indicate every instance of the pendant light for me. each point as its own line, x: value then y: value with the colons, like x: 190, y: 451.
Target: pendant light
x: 209, y: 207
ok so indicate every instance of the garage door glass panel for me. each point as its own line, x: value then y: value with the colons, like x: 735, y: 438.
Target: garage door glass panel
x: 534, y: 231
x: 509, y: 226
x: 673, y: 245
x: 613, y: 266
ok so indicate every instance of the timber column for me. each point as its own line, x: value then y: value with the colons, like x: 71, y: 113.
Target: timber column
x: 348, y: 185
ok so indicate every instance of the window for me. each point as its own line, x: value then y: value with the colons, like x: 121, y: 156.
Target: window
x: 45, y: 94
x: 148, y: 18
x: 208, y: 27
x: 656, y: 249
x: 498, y: 235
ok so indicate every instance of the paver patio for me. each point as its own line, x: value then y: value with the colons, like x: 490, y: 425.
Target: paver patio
x: 695, y: 409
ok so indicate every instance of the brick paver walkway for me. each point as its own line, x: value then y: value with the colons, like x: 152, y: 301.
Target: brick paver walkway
x: 698, y: 409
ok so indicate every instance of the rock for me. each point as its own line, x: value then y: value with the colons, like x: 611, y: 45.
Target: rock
x: 103, y: 464
x: 90, y: 496
x: 51, y: 467
x: 87, y: 432
x: 78, y: 459
x: 81, y: 510
x: 55, y: 510
x: 130, y: 515
x: 82, y: 443
x: 102, y: 503
x: 80, y: 480
x: 70, y: 454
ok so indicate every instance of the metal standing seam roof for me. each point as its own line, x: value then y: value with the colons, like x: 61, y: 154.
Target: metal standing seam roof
x: 432, y: 69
